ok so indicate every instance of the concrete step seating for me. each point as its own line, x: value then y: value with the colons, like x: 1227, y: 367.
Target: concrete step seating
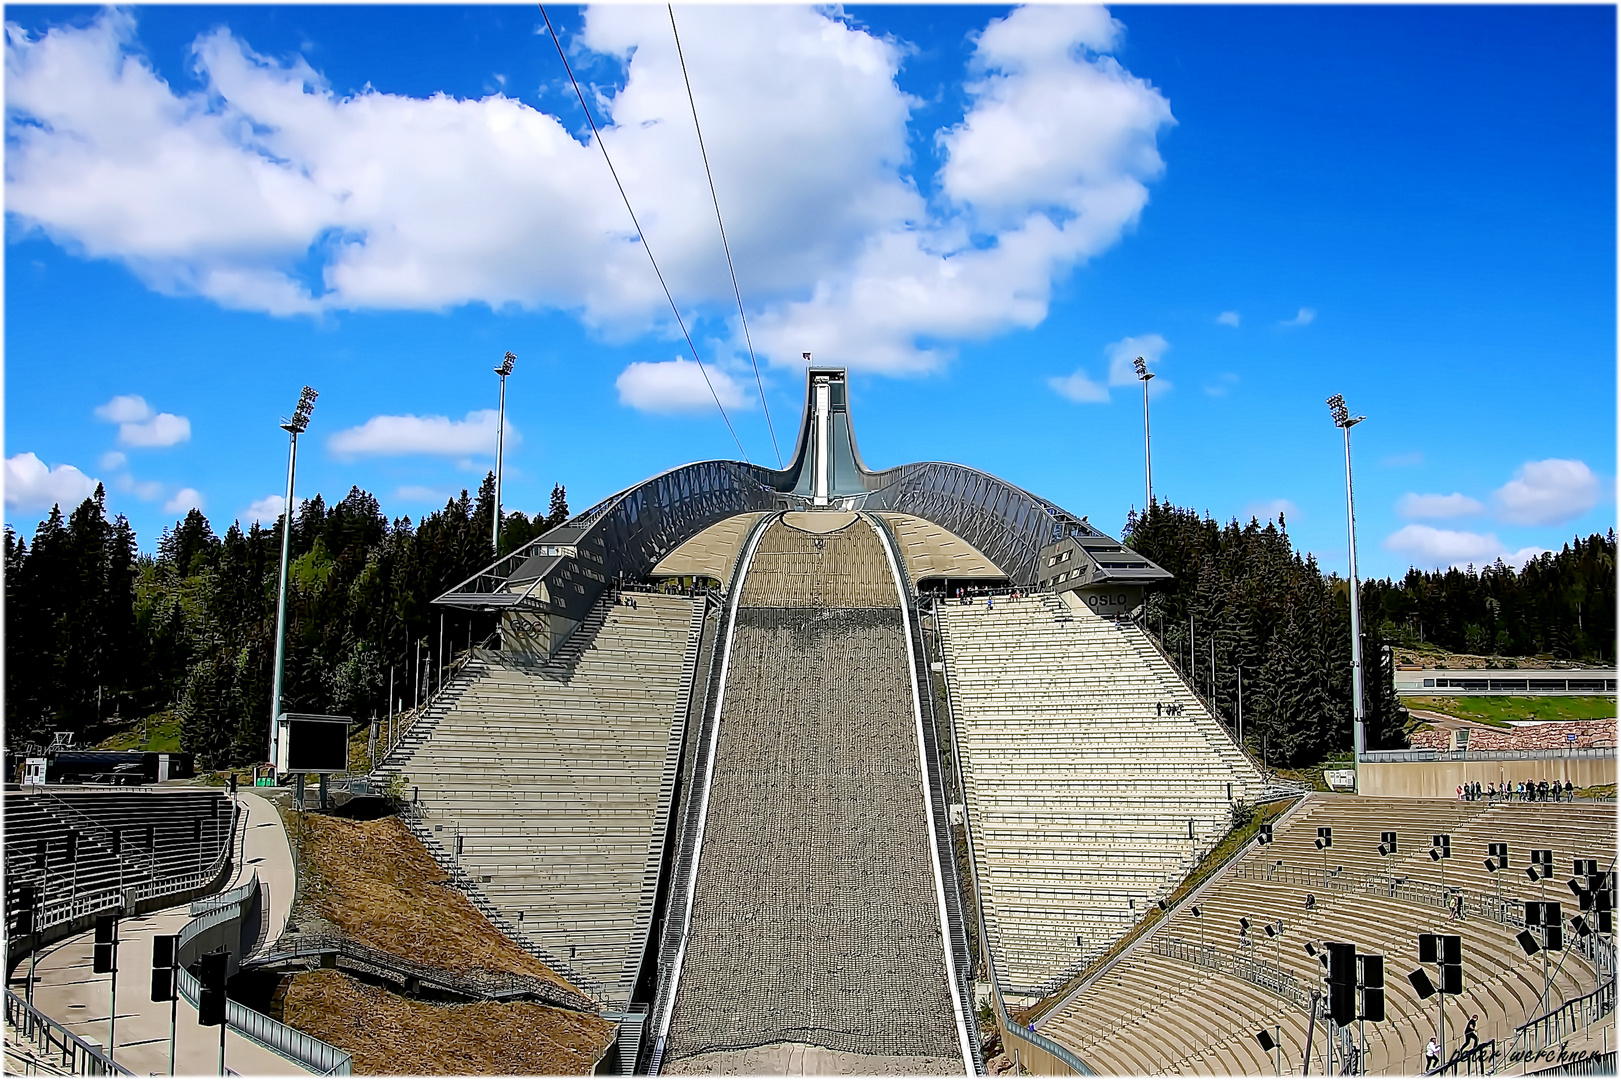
x: 1071, y: 773
x: 552, y: 777
x: 170, y: 849
x: 1105, y: 1022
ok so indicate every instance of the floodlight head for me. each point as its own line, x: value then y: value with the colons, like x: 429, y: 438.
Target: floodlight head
x: 1575, y: 888
x: 1311, y: 950
x: 1491, y: 866
x: 1318, y: 843
x: 1435, y: 854
x: 506, y: 365
x: 806, y: 355
x: 301, y: 412
x: 1383, y: 850
x: 1531, y: 872
x: 1142, y: 369
x: 1342, y: 415
x: 1195, y: 912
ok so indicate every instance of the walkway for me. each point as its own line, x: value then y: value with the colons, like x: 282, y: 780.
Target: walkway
x: 69, y: 993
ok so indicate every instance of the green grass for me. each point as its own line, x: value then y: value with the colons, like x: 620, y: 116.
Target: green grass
x: 1498, y: 711
x: 159, y: 732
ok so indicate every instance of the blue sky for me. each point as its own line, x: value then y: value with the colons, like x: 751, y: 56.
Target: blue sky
x: 984, y: 212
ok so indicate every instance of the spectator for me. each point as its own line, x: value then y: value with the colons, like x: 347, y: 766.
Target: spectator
x: 1432, y: 1054
x: 1469, y: 1036
x: 1570, y: 792
x: 1542, y: 791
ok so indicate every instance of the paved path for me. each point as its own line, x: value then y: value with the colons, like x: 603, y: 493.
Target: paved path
x: 69, y: 993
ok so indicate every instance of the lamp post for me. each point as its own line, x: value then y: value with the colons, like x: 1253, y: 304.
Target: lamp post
x: 500, y: 437
x: 294, y: 428
x: 1148, y: 458
x: 1345, y: 422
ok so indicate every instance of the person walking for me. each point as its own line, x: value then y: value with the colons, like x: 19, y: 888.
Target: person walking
x: 1432, y: 1054
x: 1570, y: 792
x: 1469, y: 1037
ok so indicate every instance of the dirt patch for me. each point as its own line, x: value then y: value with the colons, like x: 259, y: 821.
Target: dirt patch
x: 374, y: 881
x: 392, y: 1035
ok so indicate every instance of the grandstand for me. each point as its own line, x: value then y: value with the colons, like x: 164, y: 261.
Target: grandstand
x: 1087, y: 799
x: 1225, y: 989
x: 549, y: 785
x: 86, y: 848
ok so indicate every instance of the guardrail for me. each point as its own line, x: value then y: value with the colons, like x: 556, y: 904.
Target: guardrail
x: 75, y: 1056
x: 1268, y: 977
x: 1556, y: 1025
x: 493, y: 986
x: 296, y: 1046
x: 1376, y: 757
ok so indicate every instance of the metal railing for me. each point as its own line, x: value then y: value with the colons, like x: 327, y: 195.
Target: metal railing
x: 1259, y: 973
x: 294, y: 1045
x: 1559, y: 1024
x: 73, y: 1055
x: 1371, y: 757
x: 227, y: 899
x: 479, y: 985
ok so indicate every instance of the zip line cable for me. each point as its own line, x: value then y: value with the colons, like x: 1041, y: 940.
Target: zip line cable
x: 640, y: 235
x: 723, y: 243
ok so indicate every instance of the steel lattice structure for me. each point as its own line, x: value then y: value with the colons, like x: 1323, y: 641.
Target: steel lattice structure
x: 623, y: 537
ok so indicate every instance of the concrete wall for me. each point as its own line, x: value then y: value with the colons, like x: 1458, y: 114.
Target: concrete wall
x: 1440, y: 779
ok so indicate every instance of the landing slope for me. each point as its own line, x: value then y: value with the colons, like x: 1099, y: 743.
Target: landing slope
x: 814, y: 917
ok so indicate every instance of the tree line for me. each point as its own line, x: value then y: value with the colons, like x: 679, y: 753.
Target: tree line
x: 1246, y: 607
x: 100, y: 635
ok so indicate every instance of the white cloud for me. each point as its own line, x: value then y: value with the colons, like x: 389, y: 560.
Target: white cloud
x: 1437, y: 506
x: 235, y: 190
x: 416, y: 493
x: 1428, y: 546
x: 1270, y: 509
x: 1302, y: 318
x: 113, y: 459
x: 676, y: 386
x: 146, y: 490
x: 1547, y: 493
x: 440, y: 435
x: 185, y: 499
x: 266, y: 510
x: 1227, y: 318
x: 1078, y: 387
x: 32, y: 485
x: 1402, y: 461
x: 1221, y: 384
x: 138, y: 425
x: 1121, y: 354
x: 124, y: 409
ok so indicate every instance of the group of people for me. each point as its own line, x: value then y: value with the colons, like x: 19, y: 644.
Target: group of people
x: 1162, y: 709
x: 1520, y: 791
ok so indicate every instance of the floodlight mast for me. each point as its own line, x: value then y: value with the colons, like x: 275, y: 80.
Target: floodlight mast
x: 1345, y: 422
x: 294, y: 428
x: 500, y: 438
x: 1148, y: 458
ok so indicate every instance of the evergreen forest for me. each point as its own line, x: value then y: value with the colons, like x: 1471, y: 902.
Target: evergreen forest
x: 99, y: 635
x: 1245, y: 606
